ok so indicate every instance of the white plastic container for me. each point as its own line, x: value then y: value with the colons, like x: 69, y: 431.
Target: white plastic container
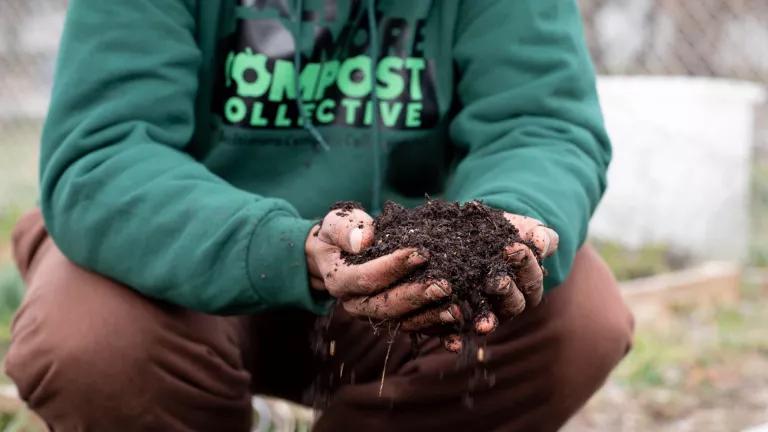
x: 681, y: 165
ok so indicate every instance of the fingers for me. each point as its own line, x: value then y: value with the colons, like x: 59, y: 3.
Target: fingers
x: 342, y: 280
x: 485, y: 323
x: 511, y: 304
x: 499, y: 285
x: 545, y: 239
x: 506, y: 297
x: 533, y: 230
x: 432, y: 318
x: 437, y: 319
x: 530, y: 277
x: 350, y: 230
x: 398, y: 301
x: 373, y: 276
x: 452, y: 343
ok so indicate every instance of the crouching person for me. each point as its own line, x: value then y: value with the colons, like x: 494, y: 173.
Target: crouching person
x: 176, y: 266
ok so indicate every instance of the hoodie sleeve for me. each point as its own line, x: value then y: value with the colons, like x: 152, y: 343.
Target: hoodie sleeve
x: 119, y: 194
x: 530, y: 120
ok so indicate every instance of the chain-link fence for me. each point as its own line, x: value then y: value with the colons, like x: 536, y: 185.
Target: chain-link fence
x: 707, y: 38
x: 29, y: 35
x: 716, y: 38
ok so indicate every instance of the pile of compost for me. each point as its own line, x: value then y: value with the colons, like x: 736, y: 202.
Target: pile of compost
x: 464, y: 243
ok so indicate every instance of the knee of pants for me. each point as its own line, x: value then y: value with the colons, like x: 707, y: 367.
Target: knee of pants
x: 93, y: 368
x: 125, y: 373
x: 603, y: 338
x: 597, y: 323
x: 616, y: 330
x: 87, y: 351
x: 588, y: 352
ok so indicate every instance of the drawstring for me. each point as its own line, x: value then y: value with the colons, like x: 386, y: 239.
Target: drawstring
x: 373, y: 46
x: 305, y: 119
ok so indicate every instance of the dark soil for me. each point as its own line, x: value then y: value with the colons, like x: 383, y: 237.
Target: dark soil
x: 464, y: 244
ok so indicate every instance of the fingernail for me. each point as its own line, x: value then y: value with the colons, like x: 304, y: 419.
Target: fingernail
x: 555, y: 237
x: 486, y: 323
x: 450, y: 315
x: 517, y: 256
x: 547, y: 243
x: 416, y: 258
x: 446, y: 317
x: 452, y: 343
x: 437, y: 292
x: 503, y: 286
x: 356, y: 239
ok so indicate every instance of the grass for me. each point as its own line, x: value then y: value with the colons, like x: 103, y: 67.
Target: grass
x: 18, y: 191
x: 758, y: 252
x: 631, y: 263
x: 8, y: 218
x: 19, y: 421
x: 11, y: 286
x: 704, y: 370
x: 695, y: 339
x: 18, y: 165
x: 11, y: 293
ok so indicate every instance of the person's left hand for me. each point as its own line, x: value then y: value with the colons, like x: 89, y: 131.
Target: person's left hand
x: 509, y: 295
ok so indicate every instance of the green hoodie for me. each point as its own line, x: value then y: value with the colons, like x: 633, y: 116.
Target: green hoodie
x: 177, y: 160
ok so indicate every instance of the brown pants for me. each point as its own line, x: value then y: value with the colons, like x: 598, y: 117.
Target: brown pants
x: 89, y: 354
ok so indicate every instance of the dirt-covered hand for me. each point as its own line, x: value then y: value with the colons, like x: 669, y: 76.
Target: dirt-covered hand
x: 364, y: 289
x: 525, y: 288
x: 509, y: 295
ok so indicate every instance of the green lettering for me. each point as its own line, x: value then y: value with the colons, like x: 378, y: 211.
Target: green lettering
x: 257, y: 63
x: 413, y: 115
x: 284, y: 81
x: 309, y: 109
x: 390, y: 111
x: 415, y: 65
x: 350, y: 87
x: 280, y: 119
x: 325, y: 111
x: 327, y: 77
x: 256, y: 118
x: 387, y: 73
x: 351, y: 106
x: 235, y: 110
x: 368, y: 114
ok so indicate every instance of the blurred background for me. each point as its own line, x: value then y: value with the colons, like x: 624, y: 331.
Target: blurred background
x: 684, y: 225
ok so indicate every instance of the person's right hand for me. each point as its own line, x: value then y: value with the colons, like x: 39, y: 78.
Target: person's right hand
x: 366, y: 290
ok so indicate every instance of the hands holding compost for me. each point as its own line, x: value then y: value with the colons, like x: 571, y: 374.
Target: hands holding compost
x: 385, y: 288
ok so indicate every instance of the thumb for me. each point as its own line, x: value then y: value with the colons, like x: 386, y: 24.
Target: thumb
x: 350, y: 230
x: 546, y: 239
